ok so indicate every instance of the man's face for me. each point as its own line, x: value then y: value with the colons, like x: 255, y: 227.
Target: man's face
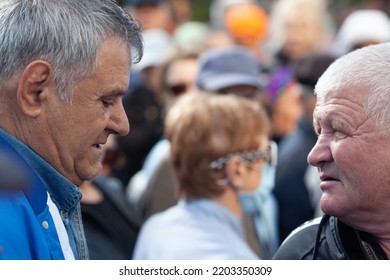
x: 77, y: 131
x: 351, y: 158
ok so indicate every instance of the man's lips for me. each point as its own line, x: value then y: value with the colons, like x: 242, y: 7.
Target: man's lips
x: 99, y: 144
x: 327, y: 181
x: 325, y: 177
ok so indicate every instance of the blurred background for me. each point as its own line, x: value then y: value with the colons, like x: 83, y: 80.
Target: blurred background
x: 338, y: 8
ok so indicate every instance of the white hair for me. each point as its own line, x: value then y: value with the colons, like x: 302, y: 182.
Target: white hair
x: 365, y: 71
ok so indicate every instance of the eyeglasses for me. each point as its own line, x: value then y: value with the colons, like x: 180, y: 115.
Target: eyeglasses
x: 269, y: 155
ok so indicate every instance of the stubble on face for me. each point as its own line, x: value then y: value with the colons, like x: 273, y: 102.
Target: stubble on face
x: 78, y: 130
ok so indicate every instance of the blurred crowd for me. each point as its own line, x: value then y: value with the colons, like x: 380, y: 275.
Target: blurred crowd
x: 271, y: 55
x: 131, y: 130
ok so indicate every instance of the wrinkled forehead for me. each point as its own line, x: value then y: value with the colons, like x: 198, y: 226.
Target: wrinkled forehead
x: 354, y: 92
x: 345, y: 107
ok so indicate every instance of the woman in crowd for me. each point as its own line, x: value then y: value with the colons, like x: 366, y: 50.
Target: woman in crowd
x: 219, y: 145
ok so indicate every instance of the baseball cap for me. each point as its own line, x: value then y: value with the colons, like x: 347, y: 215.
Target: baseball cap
x: 225, y: 67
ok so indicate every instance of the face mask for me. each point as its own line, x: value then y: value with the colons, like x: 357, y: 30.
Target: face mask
x: 251, y: 202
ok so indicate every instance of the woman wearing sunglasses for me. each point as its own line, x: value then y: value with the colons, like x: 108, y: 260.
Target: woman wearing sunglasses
x: 219, y: 147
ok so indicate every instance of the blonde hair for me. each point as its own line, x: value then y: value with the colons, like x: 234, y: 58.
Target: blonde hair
x: 314, y: 11
x: 204, y: 126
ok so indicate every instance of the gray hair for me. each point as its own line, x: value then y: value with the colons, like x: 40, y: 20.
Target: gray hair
x: 65, y: 33
x: 364, y: 71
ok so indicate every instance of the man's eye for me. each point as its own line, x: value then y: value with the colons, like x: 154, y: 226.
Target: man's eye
x: 107, y: 103
x: 317, y: 130
x: 340, y: 134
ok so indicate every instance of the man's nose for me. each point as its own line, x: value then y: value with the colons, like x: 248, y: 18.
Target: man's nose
x: 119, y: 121
x: 320, y: 153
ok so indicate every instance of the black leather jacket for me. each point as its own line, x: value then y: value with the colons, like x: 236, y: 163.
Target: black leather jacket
x: 327, y: 238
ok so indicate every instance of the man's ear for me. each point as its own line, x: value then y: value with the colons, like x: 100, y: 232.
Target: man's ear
x: 34, y: 86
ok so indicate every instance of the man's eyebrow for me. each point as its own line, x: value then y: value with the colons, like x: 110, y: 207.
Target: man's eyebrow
x: 117, y: 92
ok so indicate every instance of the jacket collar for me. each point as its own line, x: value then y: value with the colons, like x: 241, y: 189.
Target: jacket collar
x: 64, y: 194
x: 357, y: 245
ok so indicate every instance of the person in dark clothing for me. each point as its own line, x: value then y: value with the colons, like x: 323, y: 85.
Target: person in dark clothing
x: 110, y: 226
x: 351, y: 119
x: 291, y: 189
x: 143, y: 107
x: 145, y: 115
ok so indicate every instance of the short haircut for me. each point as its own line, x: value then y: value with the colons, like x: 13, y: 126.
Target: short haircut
x: 366, y: 72
x: 205, y: 126
x: 67, y: 34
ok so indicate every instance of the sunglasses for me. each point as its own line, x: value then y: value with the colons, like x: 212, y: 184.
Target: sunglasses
x: 178, y: 89
x: 269, y: 156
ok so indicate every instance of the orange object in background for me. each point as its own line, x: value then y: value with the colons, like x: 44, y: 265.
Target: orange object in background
x: 246, y: 23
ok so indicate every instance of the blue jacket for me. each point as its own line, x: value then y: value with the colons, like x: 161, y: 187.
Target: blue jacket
x: 24, y: 206
x: 27, y: 229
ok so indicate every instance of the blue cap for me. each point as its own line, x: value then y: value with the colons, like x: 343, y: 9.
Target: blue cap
x: 225, y: 67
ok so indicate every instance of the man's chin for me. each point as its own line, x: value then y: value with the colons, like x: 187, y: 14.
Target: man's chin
x: 91, y: 173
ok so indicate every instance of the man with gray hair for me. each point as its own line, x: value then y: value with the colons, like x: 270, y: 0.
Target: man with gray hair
x: 65, y: 66
x: 352, y: 152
